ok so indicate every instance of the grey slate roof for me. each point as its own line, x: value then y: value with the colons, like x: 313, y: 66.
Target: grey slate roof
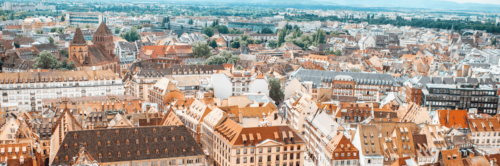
x: 424, y: 80
x: 317, y: 77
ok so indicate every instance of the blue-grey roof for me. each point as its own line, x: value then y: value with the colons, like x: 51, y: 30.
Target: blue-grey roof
x: 317, y: 77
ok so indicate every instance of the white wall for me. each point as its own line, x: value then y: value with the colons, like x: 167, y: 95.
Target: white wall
x: 293, y: 86
x: 222, y: 86
x: 259, y: 85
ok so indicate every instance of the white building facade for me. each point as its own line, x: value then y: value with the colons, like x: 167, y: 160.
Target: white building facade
x: 26, y: 90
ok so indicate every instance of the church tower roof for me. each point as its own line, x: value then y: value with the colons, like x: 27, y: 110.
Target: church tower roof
x: 78, y: 38
x: 103, y: 30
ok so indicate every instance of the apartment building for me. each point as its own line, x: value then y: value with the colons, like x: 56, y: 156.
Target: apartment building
x: 181, y: 51
x: 235, y: 145
x: 298, y: 108
x: 84, y: 18
x: 32, y: 24
x: 237, y: 82
x: 193, y: 116
x: 485, y: 132
x: 462, y: 96
x: 119, y: 103
x: 26, y: 90
x: 422, y: 151
x: 354, y: 112
x: 157, y: 145
x: 340, y: 151
x: 161, y: 91
x: 210, y: 122
x: 321, y: 128
x: 364, y: 86
x: 435, y: 138
x: 144, y: 74
x: 366, y: 140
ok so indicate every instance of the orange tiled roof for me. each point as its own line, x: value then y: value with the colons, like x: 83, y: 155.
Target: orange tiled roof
x: 453, y: 118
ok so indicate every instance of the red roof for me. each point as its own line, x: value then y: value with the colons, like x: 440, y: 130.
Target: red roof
x: 453, y: 118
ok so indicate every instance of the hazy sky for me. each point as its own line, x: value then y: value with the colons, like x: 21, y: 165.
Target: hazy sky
x: 477, y: 1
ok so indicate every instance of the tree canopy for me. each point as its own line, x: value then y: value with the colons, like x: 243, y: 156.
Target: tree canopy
x: 212, y: 43
x: 266, y: 30
x: 209, y: 31
x: 131, y: 35
x: 45, y: 60
x: 276, y: 93
x: 201, y: 49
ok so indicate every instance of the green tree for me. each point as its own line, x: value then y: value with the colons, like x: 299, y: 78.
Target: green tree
x: 190, y: 22
x: 266, y: 30
x: 281, y: 37
x: 21, y: 15
x: 276, y: 93
x: 132, y: 14
x: 338, y: 53
x: 164, y: 21
x: 222, y: 29
x: 71, y: 65
x: 64, y: 52
x: 235, y: 43
x: 233, y: 60
x: 244, y: 37
x: 60, y: 30
x: 63, y: 18
x: 212, y: 43
x: 16, y: 45
x: 335, y: 33
x: 355, y: 70
x: 51, y: 40
x: 45, y: 60
x: 494, y: 41
x: 39, y: 31
x: 131, y: 35
x: 239, y: 68
x: 52, y: 30
x: 226, y: 54
x: 62, y: 64
x: 235, y: 31
x: 215, y: 23
x: 272, y: 43
x: 209, y: 31
x: 117, y: 30
x: 215, y: 60
x: 200, y: 49
x: 87, y: 26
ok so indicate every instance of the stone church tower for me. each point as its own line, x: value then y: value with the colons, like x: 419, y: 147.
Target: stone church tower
x: 78, y: 47
x: 104, y: 37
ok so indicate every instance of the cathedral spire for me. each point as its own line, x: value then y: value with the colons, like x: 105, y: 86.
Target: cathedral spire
x: 78, y: 38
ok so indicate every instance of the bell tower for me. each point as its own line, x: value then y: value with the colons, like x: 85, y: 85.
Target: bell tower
x: 78, y: 47
x: 104, y: 37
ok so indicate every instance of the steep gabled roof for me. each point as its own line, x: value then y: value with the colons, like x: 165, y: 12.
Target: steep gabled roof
x: 78, y: 38
x: 103, y: 30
